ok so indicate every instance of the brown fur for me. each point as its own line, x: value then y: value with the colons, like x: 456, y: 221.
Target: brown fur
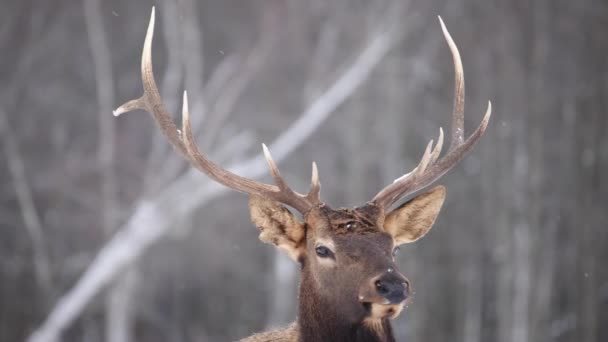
x: 362, y: 220
x: 287, y: 334
x: 338, y: 299
x: 277, y: 225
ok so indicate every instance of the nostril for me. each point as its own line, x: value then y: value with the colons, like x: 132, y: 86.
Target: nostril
x: 381, y: 287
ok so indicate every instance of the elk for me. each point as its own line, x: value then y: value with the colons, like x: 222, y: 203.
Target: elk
x: 350, y: 286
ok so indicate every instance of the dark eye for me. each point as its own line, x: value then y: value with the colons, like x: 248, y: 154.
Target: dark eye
x: 396, y: 251
x: 322, y: 251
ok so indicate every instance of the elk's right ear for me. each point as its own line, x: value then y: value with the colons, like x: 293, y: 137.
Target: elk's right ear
x: 278, y: 226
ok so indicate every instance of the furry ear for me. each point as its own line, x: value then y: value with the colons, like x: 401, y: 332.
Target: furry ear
x: 413, y: 219
x: 277, y: 226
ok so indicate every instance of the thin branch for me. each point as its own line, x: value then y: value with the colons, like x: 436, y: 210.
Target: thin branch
x: 222, y: 73
x: 323, y: 53
x: 118, y: 321
x: 235, y: 148
x: 224, y: 106
x: 31, y: 219
x: 153, y: 219
x: 339, y: 91
x: 105, y: 97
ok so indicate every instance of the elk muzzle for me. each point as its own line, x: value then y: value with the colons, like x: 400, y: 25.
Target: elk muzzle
x: 388, y: 288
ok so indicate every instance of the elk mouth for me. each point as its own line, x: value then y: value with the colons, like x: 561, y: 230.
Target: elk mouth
x: 382, y: 310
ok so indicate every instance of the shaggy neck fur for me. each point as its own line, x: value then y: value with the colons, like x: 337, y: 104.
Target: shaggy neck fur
x: 318, y: 321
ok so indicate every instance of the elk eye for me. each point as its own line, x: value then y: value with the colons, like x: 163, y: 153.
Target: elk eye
x: 396, y: 251
x: 322, y: 251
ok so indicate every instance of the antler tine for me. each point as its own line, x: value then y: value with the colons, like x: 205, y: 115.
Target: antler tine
x: 315, y: 185
x: 458, y: 109
x: 286, y: 194
x: 151, y: 100
x: 424, y: 161
x: 186, y: 145
x: 428, y: 158
x: 430, y: 169
x: 274, y: 169
x: 438, y: 147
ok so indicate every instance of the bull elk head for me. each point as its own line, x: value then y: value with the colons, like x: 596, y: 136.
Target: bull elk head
x: 350, y: 285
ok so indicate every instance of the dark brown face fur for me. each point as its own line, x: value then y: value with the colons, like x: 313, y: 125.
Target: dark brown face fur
x: 360, y: 253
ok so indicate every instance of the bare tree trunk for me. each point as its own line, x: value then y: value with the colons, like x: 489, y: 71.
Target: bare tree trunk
x: 120, y: 304
x: 283, y: 283
x: 29, y: 212
x: 511, y: 179
x: 542, y: 224
x: 529, y: 233
x: 117, y: 302
x: 590, y: 132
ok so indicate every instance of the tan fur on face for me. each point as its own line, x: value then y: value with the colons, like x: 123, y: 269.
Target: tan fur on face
x: 380, y: 311
x: 414, y: 219
x: 277, y: 226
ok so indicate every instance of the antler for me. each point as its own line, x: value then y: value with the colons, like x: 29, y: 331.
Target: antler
x: 184, y: 143
x: 430, y: 169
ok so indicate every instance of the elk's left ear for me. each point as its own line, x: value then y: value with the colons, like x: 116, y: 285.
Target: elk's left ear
x: 277, y: 225
x: 413, y: 219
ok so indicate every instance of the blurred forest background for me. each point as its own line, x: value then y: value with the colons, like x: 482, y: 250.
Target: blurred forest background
x: 106, y: 235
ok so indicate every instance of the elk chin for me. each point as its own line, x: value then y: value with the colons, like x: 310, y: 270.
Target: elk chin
x: 379, y: 311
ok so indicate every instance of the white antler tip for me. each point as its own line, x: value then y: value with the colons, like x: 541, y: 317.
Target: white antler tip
x: 440, y: 139
x: 446, y: 34
x: 274, y: 170
x: 266, y: 152
x: 146, y: 57
x: 443, y: 27
x: 488, y: 112
x: 185, y: 110
x: 428, y: 149
x: 486, y: 117
x: 152, y: 19
x: 118, y: 111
